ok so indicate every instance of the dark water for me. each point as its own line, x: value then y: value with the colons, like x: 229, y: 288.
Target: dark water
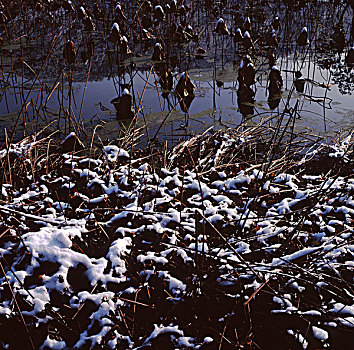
x: 320, y: 110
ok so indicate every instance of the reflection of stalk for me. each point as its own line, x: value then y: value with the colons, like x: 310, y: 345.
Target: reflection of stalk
x: 135, y: 119
x: 222, y: 52
x: 22, y: 95
x: 83, y: 96
x: 157, y: 89
x: 164, y: 120
x: 23, y: 112
x: 324, y: 100
x: 12, y: 76
x: 61, y: 102
x: 214, y: 76
x: 25, y: 101
x: 118, y: 63
x: 37, y: 108
x: 2, y: 63
x: 293, y: 127
x: 70, y: 77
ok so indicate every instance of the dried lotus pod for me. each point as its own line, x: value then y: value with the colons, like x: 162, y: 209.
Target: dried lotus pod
x: 275, y: 81
x: 124, y: 105
x: 69, y: 53
x: 303, y: 40
x: 221, y: 27
x: 158, y: 53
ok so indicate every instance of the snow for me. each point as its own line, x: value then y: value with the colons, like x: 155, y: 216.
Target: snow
x: 185, y: 342
x: 208, y: 340
x: 117, y: 250
x: 21, y: 149
x: 299, y: 337
x: 39, y: 297
x: 115, y: 27
x: 114, y: 152
x: 158, y: 8
x: 296, y: 255
x: 201, y: 247
x: 311, y: 313
x: 126, y: 92
x: 319, y: 333
x: 341, y: 309
x: 347, y: 321
x: 152, y: 242
x: 339, y: 150
x: 53, y: 344
x: 161, y: 330
x: 152, y: 257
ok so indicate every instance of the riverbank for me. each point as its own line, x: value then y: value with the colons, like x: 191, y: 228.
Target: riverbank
x: 231, y: 239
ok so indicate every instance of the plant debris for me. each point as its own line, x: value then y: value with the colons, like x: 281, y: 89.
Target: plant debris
x: 229, y: 245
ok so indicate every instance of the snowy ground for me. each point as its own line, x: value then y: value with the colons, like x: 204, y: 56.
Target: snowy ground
x: 222, y: 251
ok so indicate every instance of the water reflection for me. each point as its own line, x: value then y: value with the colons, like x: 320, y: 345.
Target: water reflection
x: 185, y: 91
x: 274, y: 101
x: 229, y: 68
x: 124, y: 105
x: 245, y: 101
